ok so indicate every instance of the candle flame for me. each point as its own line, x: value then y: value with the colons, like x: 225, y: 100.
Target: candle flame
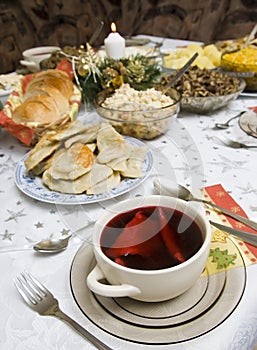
x: 113, y: 27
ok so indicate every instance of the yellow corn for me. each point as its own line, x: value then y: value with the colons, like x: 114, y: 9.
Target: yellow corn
x: 245, y: 57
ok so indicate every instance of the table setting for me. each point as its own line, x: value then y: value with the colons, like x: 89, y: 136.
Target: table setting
x: 47, y: 236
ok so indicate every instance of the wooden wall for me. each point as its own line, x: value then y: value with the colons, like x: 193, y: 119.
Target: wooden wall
x: 29, y: 23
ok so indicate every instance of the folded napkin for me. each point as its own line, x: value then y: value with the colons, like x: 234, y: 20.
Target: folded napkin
x: 225, y: 249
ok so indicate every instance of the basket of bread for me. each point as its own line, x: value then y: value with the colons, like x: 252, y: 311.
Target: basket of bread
x: 40, y: 102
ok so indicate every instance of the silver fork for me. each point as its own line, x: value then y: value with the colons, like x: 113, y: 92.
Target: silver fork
x: 40, y: 299
x: 232, y: 143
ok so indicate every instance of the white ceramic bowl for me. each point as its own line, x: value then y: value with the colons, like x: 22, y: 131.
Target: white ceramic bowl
x: 32, y: 57
x: 147, y: 284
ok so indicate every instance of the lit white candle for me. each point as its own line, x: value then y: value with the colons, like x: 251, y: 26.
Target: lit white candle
x: 114, y: 44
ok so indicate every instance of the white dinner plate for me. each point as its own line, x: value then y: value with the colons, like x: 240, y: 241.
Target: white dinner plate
x: 248, y: 123
x: 199, y: 310
x: 33, y: 186
x: 252, y: 94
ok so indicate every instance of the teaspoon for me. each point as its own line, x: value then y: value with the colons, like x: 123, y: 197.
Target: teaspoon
x: 52, y: 245
x: 227, y: 123
x: 56, y: 245
x: 170, y: 188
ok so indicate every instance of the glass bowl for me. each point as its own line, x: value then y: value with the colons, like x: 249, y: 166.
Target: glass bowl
x: 244, y: 61
x: 144, y: 124
x: 208, y: 104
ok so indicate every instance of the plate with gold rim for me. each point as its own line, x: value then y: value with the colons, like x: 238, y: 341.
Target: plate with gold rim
x: 201, y: 309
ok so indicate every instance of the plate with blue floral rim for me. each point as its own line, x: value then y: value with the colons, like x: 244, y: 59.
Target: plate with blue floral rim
x: 33, y: 186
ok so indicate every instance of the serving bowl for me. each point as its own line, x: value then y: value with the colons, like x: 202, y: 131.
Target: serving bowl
x: 145, y: 122
x: 242, y: 61
x: 204, y: 90
x: 208, y: 104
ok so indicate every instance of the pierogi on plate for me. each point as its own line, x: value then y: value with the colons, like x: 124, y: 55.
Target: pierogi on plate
x: 88, y: 159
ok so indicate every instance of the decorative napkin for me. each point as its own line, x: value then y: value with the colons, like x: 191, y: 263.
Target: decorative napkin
x: 22, y: 132
x: 226, y: 249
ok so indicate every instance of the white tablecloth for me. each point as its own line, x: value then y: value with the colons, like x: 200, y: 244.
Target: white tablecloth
x: 190, y: 155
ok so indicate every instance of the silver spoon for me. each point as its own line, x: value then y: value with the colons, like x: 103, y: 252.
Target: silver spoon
x: 52, y: 245
x: 250, y: 37
x: 170, y: 188
x: 56, y: 245
x: 180, y: 72
x: 227, y: 123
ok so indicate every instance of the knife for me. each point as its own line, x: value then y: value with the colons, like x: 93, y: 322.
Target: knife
x: 245, y: 236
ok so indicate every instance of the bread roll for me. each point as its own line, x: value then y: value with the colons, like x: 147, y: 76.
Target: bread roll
x: 46, y: 99
x: 54, y: 78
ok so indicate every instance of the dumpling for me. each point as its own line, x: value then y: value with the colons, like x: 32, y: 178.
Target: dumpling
x: 106, y: 185
x: 88, y: 136
x: 98, y: 174
x: 42, y: 150
x: 69, y: 164
x: 69, y: 130
x: 134, y: 163
x: 111, y: 145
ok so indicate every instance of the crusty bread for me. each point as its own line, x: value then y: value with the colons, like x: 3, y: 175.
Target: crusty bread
x: 40, y: 109
x: 44, y: 89
x: 46, y: 99
x: 52, y: 77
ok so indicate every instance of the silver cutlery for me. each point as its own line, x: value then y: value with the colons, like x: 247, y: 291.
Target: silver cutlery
x: 56, y: 245
x: 180, y: 72
x: 52, y: 245
x: 232, y: 143
x: 226, y: 124
x: 245, y: 236
x: 250, y: 37
x: 170, y: 188
x: 96, y: 33
x: 41, y: 300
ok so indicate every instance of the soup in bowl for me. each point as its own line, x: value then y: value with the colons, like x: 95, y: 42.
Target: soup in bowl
x: 150, y: 248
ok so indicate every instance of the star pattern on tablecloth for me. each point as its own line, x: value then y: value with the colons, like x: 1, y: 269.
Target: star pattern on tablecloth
x: 15, y: 215
x: 39, y: 225
x: 247, y: 189
x: 228, y: 164
x: 65, y: 232
x: 7, y: 236
x: 7, y: 165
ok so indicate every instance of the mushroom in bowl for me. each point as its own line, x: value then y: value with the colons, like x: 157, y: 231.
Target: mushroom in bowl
x: 204, y: 91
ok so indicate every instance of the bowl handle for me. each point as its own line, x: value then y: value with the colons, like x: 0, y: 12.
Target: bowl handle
x: 122, y: 290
